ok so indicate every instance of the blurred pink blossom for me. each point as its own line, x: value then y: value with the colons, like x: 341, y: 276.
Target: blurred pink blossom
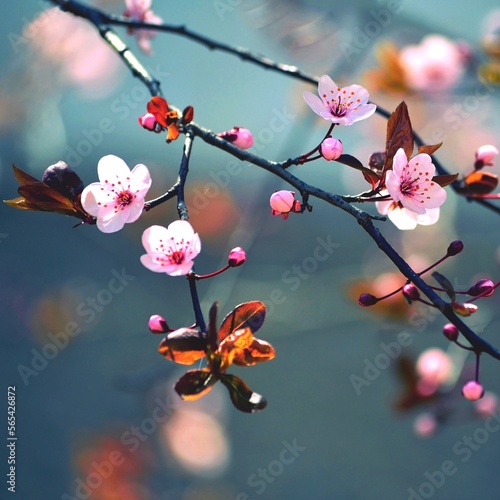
x: 425, y: 425
x: 434, y: 366
x: 437, y: 63
x: 140, y: 10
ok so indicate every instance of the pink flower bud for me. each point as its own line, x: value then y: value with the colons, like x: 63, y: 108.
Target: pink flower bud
x: 367, y: 300
x: 239, y: 136
x: 158, y: 325
x: 451, y: 332
x: 485, y: 155
x: 331, y: 148
x: 473, y: 390
x: 455, y: 248
x: 283, y: 202
x: 237, y: 256
x: 464, y: 308
x: 148, y: 121
x: 410, y: 292
x: 482, y: 286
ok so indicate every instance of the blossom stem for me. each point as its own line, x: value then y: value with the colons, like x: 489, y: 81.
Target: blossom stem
x: 211, y: 275
x: 200, y: 321
x: 459, y: 344
x: 183, y: 172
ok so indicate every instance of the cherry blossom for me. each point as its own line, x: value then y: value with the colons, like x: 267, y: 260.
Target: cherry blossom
x: 485, y: 156
x: 170, y: 250
x: 410, y: 183
x: 119, y: 197
x: 140, y: 10
x: 342, y: 106
x: 436, y: 64
x: 405, y: 219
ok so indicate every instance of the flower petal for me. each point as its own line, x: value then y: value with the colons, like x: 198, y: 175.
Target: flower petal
x: 316, y: 104
x: 110, y: 168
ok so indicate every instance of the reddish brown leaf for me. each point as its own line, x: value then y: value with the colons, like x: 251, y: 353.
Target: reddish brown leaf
x: 234, y: 344
x: 249, y: 314
x: 23, y: 177
x: 173, y: 132
x: 445, y: 180
x: 399, y: 135
x: 371, y: 177
x: 184, y: 346
x: 429, y: 149
x: 259, y: 351
x: 194, y: 384
x: 480, y: 182
x: 212, y: 337
x: 242, y: 397
x: 188, y: 114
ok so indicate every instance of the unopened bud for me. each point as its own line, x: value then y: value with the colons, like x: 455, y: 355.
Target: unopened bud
x: 283, y: 202
x: 483, y: 286
x: 237, y: 256
x: 239, y: 136
x: 473, y: 390
x: 367, y: 300
x: 148, y: 121
x: 485, y: 155
x: 455, y: 248
x: 450, y: 331
x: 158, y: 325
x: 410, y: 292
x: 331, y: 148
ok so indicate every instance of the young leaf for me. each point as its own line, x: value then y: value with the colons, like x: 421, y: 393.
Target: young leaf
x: 480, y: 182
x: 242, y: 397
x: 445, y: 180
x: 184, y: 346
x: 249, y: 314
x: 194, y: 384
x: 429, y: 149
x: 399, y: 135
x: 445, y: 284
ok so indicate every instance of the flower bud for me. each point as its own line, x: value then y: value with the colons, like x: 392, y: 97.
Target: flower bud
x: 464, y: 308
x: 482, y: 286
x: 237, y: 256
x: 239, y: 136
x: 367, y: 300
x: 455, y: 248
x: 158, y: 325
x: 283, y: 202
x: 148, y: 121
x: 410, y: 292
x: 450, y: 331
x: 473, y: 390
x: 331, y: 148
x: 485, y: 155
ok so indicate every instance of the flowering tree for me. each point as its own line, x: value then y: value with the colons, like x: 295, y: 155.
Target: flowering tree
x: 405, y: 183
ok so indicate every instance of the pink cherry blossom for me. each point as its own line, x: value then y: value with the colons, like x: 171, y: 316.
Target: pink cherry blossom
x: 410, y: 183
x: 405, y: 219
x: 170, y: 250
x: 140, y: 10
x: 342, y: 106
x: 119, y: 197
x: 436, y: 64
x: 434, y: 366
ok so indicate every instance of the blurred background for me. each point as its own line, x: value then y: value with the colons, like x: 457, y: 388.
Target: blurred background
x: 96, y: 415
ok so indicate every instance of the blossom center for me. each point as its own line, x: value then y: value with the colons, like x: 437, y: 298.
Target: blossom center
x: 177, y: 257
x: 124, y: 198
x: 338, y: 108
